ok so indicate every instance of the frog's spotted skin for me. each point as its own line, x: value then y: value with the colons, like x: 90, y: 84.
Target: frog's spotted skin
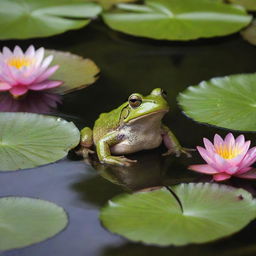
x: 134, y: 126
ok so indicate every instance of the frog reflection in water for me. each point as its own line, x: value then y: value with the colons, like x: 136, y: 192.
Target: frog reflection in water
x: 134, y: 126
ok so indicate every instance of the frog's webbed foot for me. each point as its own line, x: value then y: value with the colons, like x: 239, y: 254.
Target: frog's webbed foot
x: 118, y: 160
x: 179, y: 151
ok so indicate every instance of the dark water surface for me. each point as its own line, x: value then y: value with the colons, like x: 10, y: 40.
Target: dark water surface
x: 129, y: 65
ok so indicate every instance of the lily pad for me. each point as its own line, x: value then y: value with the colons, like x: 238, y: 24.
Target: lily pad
x: 22, y: 19
x: 29, y: 140
x: 75, y: 71
x: 106, y: 4
x: 25, y: 221
x: 178, y: 20
x: 249, y: 34
x: 207, y: 212
x: 228, y: 102
x: 248, y: 4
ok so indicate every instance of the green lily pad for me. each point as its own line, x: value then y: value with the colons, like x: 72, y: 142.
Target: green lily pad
x: 249, y: 34
x: 207, y: 212
x: 178, y: 20
x: 248, y: 4
x: 22, y: 19
x: 228, y: 102
x: 106, y: 4
x: 75, y: 71
x: 29, y: 140
x: 25, y: 221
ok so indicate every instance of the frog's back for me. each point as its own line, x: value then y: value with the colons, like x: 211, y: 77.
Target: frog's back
x: 106, y: 123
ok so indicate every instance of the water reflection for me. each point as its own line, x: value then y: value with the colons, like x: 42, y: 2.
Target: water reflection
x: 152, y: 170
x: 35, y: 102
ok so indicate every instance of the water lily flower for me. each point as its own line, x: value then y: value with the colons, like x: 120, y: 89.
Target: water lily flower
x: 226, y: 158
x: 22, y: 71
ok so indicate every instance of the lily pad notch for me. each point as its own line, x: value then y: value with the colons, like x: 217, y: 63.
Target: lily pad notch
x: 208, y: 212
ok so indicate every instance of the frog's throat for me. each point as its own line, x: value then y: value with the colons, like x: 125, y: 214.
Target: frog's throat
x: 162, y: 111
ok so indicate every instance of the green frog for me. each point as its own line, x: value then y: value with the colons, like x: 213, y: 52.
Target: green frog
x: 134, y: 126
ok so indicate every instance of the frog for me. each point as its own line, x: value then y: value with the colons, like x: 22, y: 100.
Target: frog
x: 134, y: 126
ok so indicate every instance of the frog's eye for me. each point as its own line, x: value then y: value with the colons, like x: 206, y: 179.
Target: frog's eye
x: 164, y: 93
x: 135, y: 101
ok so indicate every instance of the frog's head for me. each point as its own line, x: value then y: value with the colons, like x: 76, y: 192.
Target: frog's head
x: 140, y: 106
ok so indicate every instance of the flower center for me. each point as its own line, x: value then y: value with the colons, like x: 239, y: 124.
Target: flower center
x: 227, y: 152
x: 20, y: 62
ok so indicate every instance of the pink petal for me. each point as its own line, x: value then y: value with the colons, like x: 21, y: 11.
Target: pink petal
x: 39, y: 55
x: 208, y: 145
x: 4, y: 86
x: 205, y: 154
x: 249, y: 158
x: 18, y: 90
x: 240, y: 140
x: 47, y: 61
x: 30, y: 52
x: 217, y: 140
x: 17, y: 51
x: 45, y: 85
x: 248, y: 175
x: 203, y: 168
x: 221, y: 176
x: 46, y: 74
x: 7, y: 52
x: 229, y: 140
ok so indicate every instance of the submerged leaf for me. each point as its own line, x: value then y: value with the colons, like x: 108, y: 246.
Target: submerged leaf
x: 207, y: 212
x: 228, y: 102
x: 25, y: 221
x: 42, y: 18
x: 29, y: 140
x: 75, y: 71
x: 178, y: 20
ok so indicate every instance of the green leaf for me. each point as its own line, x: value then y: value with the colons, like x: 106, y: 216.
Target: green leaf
x: 75, y: 71
x: 228, y: 102
x: 248, y: 4
x: 249, y: 34
x: 178, y: 20
x: 21, y: 19
x: 209, y: 212
x: 29, y: 140
x: 106, y: 4
x: 25, y: 221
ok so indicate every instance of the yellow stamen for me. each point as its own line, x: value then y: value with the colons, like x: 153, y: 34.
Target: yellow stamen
x: 228, y: 152
x: 20, y: 62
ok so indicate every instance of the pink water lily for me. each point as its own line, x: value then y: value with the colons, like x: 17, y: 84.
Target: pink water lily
x: 226, y: 158
x: 22, y: 71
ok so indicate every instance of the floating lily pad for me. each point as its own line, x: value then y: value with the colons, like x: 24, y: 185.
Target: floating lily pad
x: 42, y: 18
x: 106, y: 4
x: 29, y: 140
x: 25, y: 221
x: 248, y: 4
x: 207, y: 212
x: 249, y: 34
x: 228, y: 102
x: 178, y: 20
x: 75, y: 71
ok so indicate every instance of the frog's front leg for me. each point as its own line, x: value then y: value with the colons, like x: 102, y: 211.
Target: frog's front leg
x: 104, y: 153
x: 172, y: 144
x: 86, y: 142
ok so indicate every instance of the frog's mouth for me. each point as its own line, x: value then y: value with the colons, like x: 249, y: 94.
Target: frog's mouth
x: 154, y: 116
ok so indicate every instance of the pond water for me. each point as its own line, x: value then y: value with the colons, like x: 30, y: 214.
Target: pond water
x: 129, y: 65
